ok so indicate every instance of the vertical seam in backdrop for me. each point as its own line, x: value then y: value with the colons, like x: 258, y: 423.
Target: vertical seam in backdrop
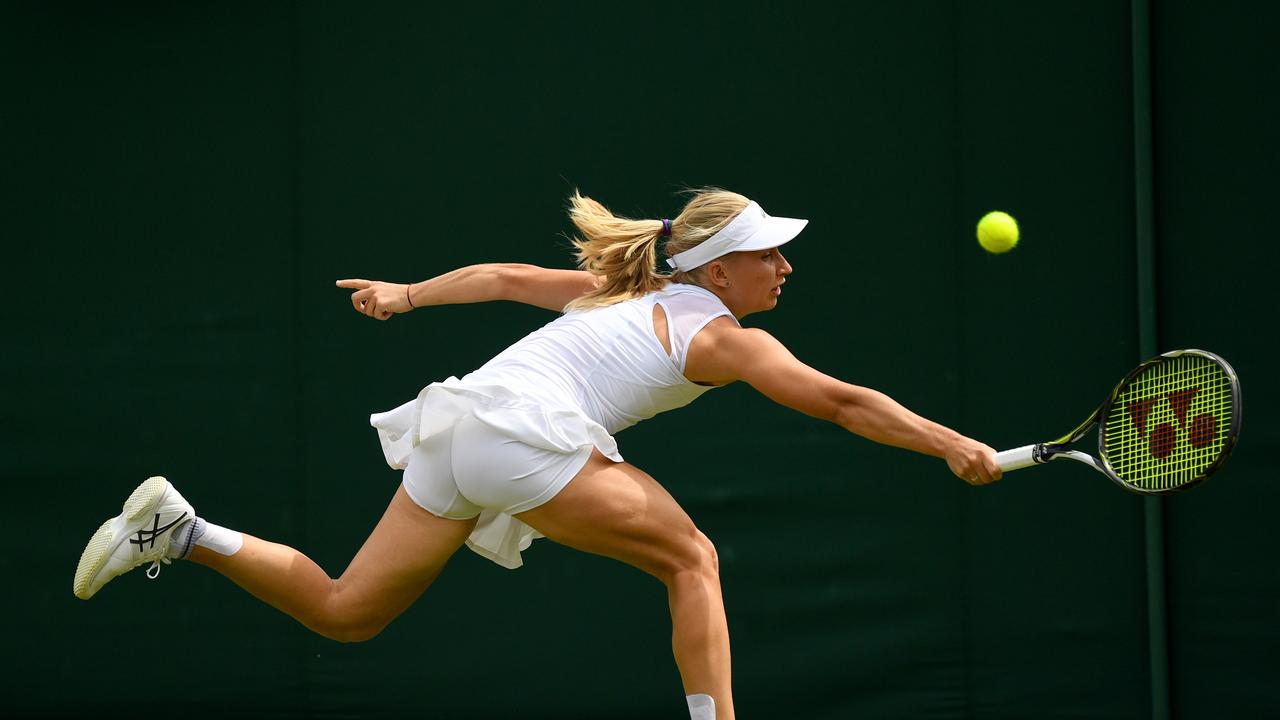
x: 1144, y: 227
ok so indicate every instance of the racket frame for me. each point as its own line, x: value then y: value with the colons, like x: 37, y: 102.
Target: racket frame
x: 1040, y: 453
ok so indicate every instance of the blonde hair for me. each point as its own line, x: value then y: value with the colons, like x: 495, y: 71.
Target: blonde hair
x: 625, y: 251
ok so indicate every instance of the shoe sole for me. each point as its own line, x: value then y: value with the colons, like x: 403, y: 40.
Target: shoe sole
x: 142, y: 501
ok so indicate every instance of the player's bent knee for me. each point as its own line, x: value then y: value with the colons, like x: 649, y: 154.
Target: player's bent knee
x: 693, y: 552
x: 336, y: 619
x: 710, y: 552
x: 347, y: 630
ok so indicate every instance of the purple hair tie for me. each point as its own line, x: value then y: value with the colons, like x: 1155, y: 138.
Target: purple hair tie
x: 666, y: 228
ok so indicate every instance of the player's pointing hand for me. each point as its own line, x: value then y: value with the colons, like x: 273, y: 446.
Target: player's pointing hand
x: 377, y: 299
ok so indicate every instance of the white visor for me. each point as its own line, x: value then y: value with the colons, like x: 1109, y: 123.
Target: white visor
x: 752, y: 229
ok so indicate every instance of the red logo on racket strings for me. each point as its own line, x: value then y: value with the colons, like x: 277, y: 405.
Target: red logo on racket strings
x: 1164, y: 437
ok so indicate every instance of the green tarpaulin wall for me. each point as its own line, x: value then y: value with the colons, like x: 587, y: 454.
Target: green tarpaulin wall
x: 183, y: 182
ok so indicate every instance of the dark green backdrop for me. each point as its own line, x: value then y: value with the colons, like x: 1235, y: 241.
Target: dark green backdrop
x: 182, y: 183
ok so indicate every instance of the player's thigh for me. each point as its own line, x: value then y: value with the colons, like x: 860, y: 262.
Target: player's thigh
x: 404, y: 554
x: 620, y: 511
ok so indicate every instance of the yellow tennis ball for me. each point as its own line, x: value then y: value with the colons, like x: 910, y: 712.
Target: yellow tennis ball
x: 997, y: 232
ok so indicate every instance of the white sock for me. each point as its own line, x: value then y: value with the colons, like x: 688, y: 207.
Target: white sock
x: 199, y: 531
x: 701, y: 707
x: 220, y: 539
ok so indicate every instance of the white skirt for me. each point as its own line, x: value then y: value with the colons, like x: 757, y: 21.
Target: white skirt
x: 497, y: 535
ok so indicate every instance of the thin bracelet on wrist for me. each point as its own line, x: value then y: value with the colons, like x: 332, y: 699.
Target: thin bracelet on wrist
x: 409, y: 296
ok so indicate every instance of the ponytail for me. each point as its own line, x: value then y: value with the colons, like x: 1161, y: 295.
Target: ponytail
x: 624, y: 251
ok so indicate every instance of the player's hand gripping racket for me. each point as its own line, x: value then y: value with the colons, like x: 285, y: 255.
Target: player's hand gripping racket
x: 1169, y: 424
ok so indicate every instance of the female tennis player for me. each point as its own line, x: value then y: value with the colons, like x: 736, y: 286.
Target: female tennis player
x: 523, y: 447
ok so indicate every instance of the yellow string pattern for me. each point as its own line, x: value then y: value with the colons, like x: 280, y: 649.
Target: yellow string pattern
x: 1169, y: 423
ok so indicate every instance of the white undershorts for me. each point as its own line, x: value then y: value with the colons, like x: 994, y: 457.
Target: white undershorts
x: 470, y: 467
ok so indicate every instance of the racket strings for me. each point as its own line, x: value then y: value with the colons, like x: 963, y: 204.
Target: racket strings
x: 1170, y: 423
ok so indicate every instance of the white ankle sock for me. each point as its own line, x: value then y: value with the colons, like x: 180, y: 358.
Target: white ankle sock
x: 199, y: 531
x: 220, y: 539
x: 701, y: 707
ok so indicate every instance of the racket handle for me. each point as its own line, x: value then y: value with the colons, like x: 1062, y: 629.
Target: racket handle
x: 1017, y: 458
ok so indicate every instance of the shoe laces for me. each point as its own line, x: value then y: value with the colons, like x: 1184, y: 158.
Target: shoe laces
x: 153, y: 572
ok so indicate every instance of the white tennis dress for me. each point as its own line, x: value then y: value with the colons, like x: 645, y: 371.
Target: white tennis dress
x: 510, y: 435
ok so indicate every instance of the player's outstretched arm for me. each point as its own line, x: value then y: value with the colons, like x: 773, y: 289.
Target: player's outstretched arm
x: 729, y: 353
x: 530, y: 284
x: 544, y: 287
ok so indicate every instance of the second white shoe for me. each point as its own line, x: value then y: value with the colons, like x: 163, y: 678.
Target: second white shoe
x: 141, y: 533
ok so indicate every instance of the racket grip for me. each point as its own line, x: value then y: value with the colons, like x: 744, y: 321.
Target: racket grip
x: 1017, y: 458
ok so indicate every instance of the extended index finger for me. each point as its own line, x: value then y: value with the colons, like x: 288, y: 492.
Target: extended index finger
x: 354, y: 283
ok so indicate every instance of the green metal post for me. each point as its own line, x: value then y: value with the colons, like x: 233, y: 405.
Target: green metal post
x: 1157, y: 604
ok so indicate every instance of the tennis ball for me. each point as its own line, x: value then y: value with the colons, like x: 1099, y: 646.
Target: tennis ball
x: 997, y: 232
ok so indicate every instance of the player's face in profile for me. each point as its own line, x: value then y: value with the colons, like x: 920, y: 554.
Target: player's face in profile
x: 757, y: 277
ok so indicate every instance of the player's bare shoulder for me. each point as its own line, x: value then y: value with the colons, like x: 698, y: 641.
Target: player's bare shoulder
x: 714, y: 353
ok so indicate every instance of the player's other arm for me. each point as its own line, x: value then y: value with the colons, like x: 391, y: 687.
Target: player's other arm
x: 544, y: 287
x: 756, y: 357
x: 530, y: 284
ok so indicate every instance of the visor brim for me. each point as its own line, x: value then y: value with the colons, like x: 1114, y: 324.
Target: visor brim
x: 775, y: 231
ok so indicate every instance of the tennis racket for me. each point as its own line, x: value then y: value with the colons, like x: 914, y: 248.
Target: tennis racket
x: 1168, y: 425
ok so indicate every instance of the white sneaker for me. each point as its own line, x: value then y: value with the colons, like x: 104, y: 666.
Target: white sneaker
x: 150, y: 515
